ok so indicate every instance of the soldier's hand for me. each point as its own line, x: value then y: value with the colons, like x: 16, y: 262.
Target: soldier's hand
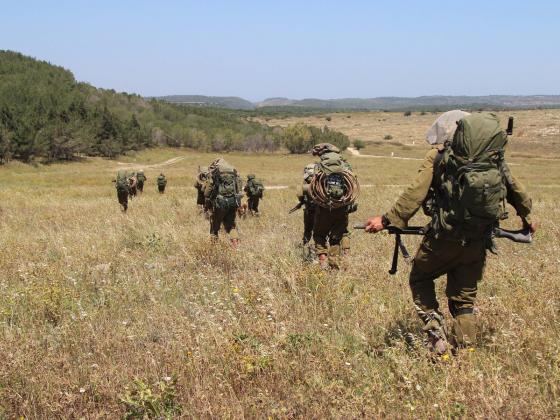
x: 374, y: 224
x: 533, y: 226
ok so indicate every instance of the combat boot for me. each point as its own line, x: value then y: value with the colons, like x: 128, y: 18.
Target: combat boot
x: 323, y: 261
x: 435, y: 329
x: 334, y: 257
x: 464, y: 330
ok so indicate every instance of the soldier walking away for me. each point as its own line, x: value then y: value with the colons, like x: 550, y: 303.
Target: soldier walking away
x: 462, y: 185
x: 254, y: 189
x: 161, y: 183
x: 307, y: 203
x: 133, y: 185
x: 222, y: 196
x: 334, y: 189
x: 201, y: 179
x: 122, y: 186
x: 141, y: 178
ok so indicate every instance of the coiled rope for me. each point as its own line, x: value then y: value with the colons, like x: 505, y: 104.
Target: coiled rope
x: 319, y: 195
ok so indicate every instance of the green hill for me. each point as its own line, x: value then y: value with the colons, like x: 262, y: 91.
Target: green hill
x: 230, y: 102
x: 46, y: 114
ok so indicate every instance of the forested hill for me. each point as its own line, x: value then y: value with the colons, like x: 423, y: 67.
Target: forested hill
x: 231, y: 102
x: 46, y: 114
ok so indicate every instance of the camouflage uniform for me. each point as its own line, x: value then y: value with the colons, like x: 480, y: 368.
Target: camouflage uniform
x: 161, y: 183
x: 133, y: 185
x: 141, y: 177
x: 122, y: 189
x: 307, y: 202
x: 199, y: 185
x: 252, y: 200
x: 219, y: 217
x: 463, y: 264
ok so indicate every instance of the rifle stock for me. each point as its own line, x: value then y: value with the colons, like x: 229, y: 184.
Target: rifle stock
x: 295, y: 208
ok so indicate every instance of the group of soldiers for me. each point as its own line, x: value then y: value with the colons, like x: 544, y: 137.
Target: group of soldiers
x: 219, y: 197
x: 463, y: 185
x: 129, y: 184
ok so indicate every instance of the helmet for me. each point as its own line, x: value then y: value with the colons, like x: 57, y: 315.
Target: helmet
x: 250, y: 176
x: 321, y: 148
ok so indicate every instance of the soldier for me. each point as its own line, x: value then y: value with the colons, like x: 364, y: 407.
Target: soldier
x: 254, y: 189
x: 141, y: 177
x: 306, y: 201
x: 222, y: 196
x: 201, y: 178
x: 122, y: 185
x: 334, y: 189
x: 133, y: 184
x: 161, y: 183
x: 460, y: 230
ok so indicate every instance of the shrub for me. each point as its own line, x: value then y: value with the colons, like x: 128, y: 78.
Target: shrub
x: 407, y: 114
x: 359, y: 144
x: 388, y: 137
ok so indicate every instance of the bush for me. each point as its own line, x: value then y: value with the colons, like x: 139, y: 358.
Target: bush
x: 407, y: 114
x: 388, y: 137
x: 359, y: 144
x: 300, y: 138
x: 328, y: 118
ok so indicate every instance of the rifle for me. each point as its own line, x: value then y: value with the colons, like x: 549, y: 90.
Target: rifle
x: 296, y: 207
x: 521, y: 236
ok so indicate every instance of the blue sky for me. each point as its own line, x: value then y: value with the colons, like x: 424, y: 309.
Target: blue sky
x: 297, y: 49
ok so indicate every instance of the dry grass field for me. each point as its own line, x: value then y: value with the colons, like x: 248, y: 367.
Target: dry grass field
x: 106, y: 315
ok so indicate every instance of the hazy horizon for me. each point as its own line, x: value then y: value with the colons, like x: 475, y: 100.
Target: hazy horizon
x: 323, y: 50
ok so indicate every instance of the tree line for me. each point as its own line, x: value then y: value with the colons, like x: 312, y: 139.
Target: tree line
x: 46, y: 114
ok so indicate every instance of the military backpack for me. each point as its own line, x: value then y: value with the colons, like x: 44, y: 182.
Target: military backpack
x: 334, y: 166
x: 122, y: 181
x: 468, y: 193
x: 255, y: 187
x: 225, y: 193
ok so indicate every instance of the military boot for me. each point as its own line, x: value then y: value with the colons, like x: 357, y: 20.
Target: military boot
x: 323, y: 263
x: 464, y: 330
x: 345, y: 244
x: 334, y: 257
x: 435, y: 329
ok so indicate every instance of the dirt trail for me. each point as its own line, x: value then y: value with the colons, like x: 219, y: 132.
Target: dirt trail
x: 355, y: 152
x: 125, y: 165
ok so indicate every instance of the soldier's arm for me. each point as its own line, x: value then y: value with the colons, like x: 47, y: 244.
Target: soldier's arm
x: 411, y: 199
x: 517, y: 196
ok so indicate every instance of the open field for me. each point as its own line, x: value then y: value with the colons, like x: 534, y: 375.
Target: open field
x: 536, y: 133
x: 96, y: 304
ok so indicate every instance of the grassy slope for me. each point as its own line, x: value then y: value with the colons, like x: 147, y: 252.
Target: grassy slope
x: 92, y: 298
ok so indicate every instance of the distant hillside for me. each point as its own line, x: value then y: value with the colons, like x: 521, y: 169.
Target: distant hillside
x: 230, y: 102
x: 46, y: 114
x: 419, y: 103
x: 373, y: 104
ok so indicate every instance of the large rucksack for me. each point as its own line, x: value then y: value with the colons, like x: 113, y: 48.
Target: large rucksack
x: 122, y: 181
x: 333, y: 166
x: 469, y: 188
x: 225, y: 193
x: 256, y: 187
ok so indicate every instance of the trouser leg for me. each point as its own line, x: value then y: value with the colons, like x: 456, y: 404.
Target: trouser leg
x: 321, y: 230
x: 308, y: 220
x: 216, y: 222
x: 230, y: 225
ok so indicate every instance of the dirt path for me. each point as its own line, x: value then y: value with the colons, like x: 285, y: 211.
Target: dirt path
x: 356, y: 152
x: 125, y: 165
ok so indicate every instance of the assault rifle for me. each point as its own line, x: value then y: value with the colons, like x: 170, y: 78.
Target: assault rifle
x: 521, y: 236
x: 296, y: 208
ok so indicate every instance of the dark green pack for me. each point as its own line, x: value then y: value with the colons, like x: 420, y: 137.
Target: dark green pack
x: 161, y: 181
x: 333, y: 165
x: 255, y: 187
x: 122, y: 181
x: 469, y: 187
x: 225, y: 194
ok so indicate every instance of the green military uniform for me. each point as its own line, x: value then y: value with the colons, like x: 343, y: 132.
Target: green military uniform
x: 253, y: 199
x: 133, y: 184
x: 463, y: 263
x: 141, y: 177
x: 308, y: 205
x: 161, y: 183
x: 122, y: 187
x: 221, y: 216
x: 331, y: 225
x: 199, y: 185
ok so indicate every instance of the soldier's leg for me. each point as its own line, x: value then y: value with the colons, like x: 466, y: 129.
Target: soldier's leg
x: 339, y: 226
x: 256, y: 205
x: 215, y: 222
x: 462, y: 283
x: 308, y: 220
x: 321, y: 230
x: 230, y: 225
x: 433, y: 259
